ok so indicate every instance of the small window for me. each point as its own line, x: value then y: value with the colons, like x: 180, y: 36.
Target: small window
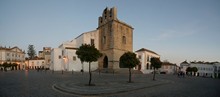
x: 59, y: 56
x: 8, y: 54
x: 124, y: 40
x: 92, y: 42
x: 104, y: 40
x: 170, y: 67
x: 139, y: 56
x: 62, y: 52
x: 74, y: 58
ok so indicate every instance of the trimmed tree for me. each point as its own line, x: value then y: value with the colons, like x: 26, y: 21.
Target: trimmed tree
x: 88, y: 53
x: 194, y: 69
x: 31, y: 51
x: 155, y: 63
x: 189, y: 70
x: 129, y: 60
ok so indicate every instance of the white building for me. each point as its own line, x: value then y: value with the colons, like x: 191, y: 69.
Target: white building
x: 45, y: 54
x: 184, y: 65
x: 205, y: 69
x: 35, y: 63
x: 144, y: 55
x: 168, y: 68
x: 64, y: 57
x: 216, y: 70
x: 12, y: 55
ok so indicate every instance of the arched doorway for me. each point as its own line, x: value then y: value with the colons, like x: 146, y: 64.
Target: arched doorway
x: 105, y: 62
x: 147, y: 66
x: 120, y: 64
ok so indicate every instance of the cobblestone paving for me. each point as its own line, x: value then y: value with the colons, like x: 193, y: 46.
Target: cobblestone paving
x: 39, y: 84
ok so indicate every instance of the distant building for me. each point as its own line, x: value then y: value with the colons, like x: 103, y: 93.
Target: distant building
x: 205, y: 69
x: 168, y: 68
x: 216, y: 70
x: 144, y: 55
x: 12, y: 55
x: 45, y: 54
x: 35, y: 63
x: 183, y: 66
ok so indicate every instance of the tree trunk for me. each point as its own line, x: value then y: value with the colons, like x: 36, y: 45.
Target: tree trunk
x: 154, y: 74
x: 129, y: 75
x: 90, y: 75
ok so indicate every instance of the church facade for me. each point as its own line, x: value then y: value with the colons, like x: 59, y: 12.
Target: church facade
x: 112, y: 38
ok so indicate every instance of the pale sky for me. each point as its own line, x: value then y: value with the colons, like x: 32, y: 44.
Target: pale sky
x: 177, y: 30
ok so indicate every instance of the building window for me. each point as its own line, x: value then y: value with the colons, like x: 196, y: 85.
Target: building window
x: 148, y: 58
x: 170, y: 67
x: 74, y: 58
x: 59, y: 56
x: 139, y: 57
x: 8, y: 54
x: 62, y: 52
x: 124, y: 40
x: 104, y: 40
x: 92, y: 42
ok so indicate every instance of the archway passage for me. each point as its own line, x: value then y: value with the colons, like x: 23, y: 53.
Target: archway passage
x: 105, y: 62
x: 120, y: 64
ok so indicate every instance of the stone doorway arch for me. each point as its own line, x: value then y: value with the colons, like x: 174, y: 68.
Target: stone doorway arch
x: 105, y: 62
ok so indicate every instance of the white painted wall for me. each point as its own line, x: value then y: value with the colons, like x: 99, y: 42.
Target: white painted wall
x: 69, y: 49
x: 55, y: 60
x: 203, y: 69
x: 33, y: 64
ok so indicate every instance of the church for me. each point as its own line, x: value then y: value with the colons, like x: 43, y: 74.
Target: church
x: 112, y: 38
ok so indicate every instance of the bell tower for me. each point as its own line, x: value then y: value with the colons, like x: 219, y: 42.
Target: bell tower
x: 115, y: 38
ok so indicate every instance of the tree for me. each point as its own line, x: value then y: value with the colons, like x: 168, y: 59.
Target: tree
x: 88, y: 53
x: 129, y: 60
x: 194, y: 69
x: 31, y: 52
x: 188, y: 70
x: 155, y: 63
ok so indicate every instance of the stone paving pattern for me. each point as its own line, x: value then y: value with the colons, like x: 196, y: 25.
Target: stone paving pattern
x: 40, y: 84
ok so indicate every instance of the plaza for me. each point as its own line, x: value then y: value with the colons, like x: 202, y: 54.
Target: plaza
x: 73, y: 84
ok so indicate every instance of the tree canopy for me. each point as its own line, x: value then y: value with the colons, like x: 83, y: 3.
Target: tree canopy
x: 88, y: 53
x: 188, y: 69
x: 129, y: 60
x: 194, y: 69
x: 155, y: 62
x: 31, y: 52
